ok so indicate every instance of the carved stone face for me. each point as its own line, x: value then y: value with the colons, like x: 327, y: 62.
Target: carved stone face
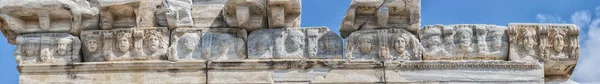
x: 364, y: 44
x: 123, y: 44
x: 496, y: 40
x: 558, y: 43
x: 154, y: 42
x: 464, y: 40
x: 330, y: 44
x: 63, y: 46
x: 528, y: 42
x: 294, y: 41
x: 92, y: 45
x: 190, y: 41
x: 30, y: 49
x: 399, y: 44
x: 434, y: 41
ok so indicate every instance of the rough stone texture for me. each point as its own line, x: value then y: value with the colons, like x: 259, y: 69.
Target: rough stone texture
x: 179, y: 13
x: 463, y: 71
x: 284, y: 13
x: 47, y: 48
x: 46, y: 16
x: 114, y: 72
x: 248, y: 14
x: 208, y: 14
x: 555, y: 44
x: 383, y: 44
x: 228, y: 44
x: 375, y: 14
x: 294, y: 43
x: 189, y: 44
x: 464, y: 42
x: 323, y: 44
x: 115, y: 14
x: 126, y: 44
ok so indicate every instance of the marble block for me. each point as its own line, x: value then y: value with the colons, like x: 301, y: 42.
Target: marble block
x: 148, y: 43
x: 247, y: 14
x: 294, y: 43
x: 374, y: 14
x: 465, y: 42
x: 45, y: 16
x: 284, y: 13
x: 179, y: 13
x: 43, y: 48
x: 208, y: 14
x: 557, y: 45
x: 383, y: 44
x: 188, y: 44
x: 227, y: 44
x: 115, y: 14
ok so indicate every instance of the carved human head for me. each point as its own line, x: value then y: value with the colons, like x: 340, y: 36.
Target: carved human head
x: 432, y: 36
x: 331, y: 42
x: 528, y: 38
x: 464, y: 35
x: 123, y: 41
x: 496, y: 35
x: 400, y: 43
x: 294, y: 40
x: 223, y: 42
x: 364, y: 43
x: 92, y: 44
x: 190, y: 41
x: 31, y: 48
x: 63, y: 45
x: 557, y: 39
x: 154, y: 40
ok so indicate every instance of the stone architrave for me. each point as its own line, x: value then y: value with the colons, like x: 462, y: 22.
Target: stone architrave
x: 45, y: 16
x: 188, y: 44
x: 228, y: 44
x: 374, y: 14
x: 401, y: 45
x: 284, y: 13
x: 277, y: 43
x: 115, y: 14
x: 323, y: 44
x: 557, y: 46
x: 363, y: 45
x: 465, y: 42
x: 247, y: 14
x: 207, y: 14
x: 47, y: 48
x: 494, y: 44
x: 179, y: 13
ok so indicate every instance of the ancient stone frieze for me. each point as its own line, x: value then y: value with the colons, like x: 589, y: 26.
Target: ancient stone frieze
x: 374, y: 14
x: 464, y: 42
x: 555, y: 44
x: 248, y: 14
x: 47, y: 48
x: 45, y: 16
x: 294, y: 43
x: 189, y: 44
x: 228, y: 44
x: 284, y: 13
x: 383, y: 44
x: 148, y: 43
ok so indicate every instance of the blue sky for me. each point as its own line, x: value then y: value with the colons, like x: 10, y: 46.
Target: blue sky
x: 584, y: 13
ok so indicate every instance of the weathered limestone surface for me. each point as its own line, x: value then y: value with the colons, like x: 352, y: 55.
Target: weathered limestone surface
x: 248, y: 14
x: 47, y: 48
x: 284, y: 13
x: 464, y: 42
x: 189, y: 44
x: 126, y: 44
x: 376, y: 14
x: 294, y: 43
x: 383, y: 44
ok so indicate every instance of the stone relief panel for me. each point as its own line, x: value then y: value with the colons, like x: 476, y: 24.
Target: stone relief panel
x: 119, y: 13
x: 401, y: 45
x: 363, y: 45
x: 189, y: 44
x: 47, y: 48
x: 524, y: 42
x: 465, y: 42
x: 149, y: 43
x: 374, y: 14
x: 261, y: 44
x: 228, y: 44
x: 248, y: 14
x: 284, y: 13
x: 49, y: 16
x: 277, y: 43
x: 323, y: 44
x: 207, y: 14
x: 559, y: 48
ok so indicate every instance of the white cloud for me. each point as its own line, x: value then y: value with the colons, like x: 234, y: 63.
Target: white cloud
x: 546, y: 18
x: 581, y: 18
x: 587, y: 66
x: 597, y: 11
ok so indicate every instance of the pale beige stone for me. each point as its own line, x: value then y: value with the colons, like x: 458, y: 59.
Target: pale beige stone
x: 47, y: 48
x: 284, y: 13
x: 248, y: 14
x: 377, y: 14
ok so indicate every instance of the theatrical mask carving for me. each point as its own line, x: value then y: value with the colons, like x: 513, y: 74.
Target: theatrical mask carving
x: 363, y: 45
x: 49, y: 16
x: 228, y: 44
x: 151, y: 43
x: 27, y: 51
x: 403, y: 45
x: 432, y: 43
x: 189, y: 44
x: 291, y: 45
x: 323, y: 43
x: 523, y: 41
x: 464, y: 44
x: 47, y: 48
x: 558, y: 42
x: 496, y: 43
x: 92, y: 46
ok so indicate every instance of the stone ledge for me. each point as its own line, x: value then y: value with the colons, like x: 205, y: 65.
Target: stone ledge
x: 112, y: 66
x: 458, y: 64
